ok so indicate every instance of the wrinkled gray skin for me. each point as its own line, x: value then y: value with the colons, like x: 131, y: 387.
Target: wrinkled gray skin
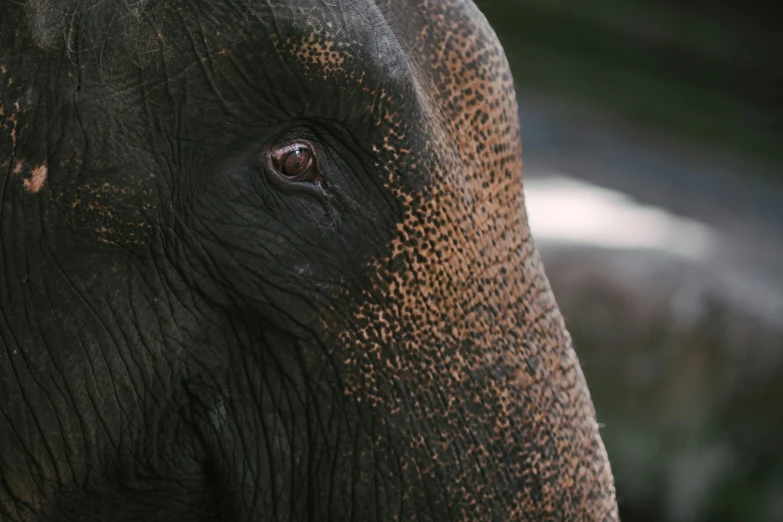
x: 191, y: 328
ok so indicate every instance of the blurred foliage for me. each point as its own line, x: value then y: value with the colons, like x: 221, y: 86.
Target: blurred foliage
x: 702, y: 71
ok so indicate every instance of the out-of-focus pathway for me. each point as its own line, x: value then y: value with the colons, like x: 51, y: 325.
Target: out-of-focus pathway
x: 654, y: 207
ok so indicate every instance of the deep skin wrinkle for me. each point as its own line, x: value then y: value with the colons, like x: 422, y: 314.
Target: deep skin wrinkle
x: 188, y: 334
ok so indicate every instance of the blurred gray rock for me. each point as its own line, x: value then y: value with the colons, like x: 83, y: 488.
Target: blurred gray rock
x: 687, y: 381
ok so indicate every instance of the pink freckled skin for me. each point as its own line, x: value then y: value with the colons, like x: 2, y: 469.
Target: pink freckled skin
x: 36, y: 181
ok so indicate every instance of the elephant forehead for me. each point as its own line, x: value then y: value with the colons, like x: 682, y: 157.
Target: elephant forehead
x: 376, y: 40
x: 375, y: 48
x: 324, y: 33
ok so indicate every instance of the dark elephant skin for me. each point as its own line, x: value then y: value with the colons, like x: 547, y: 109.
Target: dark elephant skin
x: 269, y: 260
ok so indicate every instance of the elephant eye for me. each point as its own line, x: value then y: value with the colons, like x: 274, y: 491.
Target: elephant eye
x: 295, y: 162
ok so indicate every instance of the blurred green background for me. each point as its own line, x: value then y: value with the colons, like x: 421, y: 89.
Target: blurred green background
x: 671, y: 110
x: 709, y: 70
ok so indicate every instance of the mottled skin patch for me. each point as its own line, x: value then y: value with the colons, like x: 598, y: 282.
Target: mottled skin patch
x: 174, y: 325
x: 467, y: 313
x: 319, y: 50
x: 473, y: 320
x: 37, y: 178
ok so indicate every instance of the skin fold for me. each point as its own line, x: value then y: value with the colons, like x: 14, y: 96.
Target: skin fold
x: 190, y: 332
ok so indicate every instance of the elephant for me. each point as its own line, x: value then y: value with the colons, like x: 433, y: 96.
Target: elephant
x: 269, y: 260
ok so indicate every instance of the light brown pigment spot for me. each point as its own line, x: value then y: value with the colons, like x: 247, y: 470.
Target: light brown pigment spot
x: 18, y: 167
x: 321, y: 53
x: 36, y: 181
x: 12, y: 121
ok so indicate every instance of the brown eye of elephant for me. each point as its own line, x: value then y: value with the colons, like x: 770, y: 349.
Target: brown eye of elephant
x: 295, y: 162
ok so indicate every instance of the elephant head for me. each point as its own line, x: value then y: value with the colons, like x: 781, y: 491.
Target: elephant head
x: 269, y: 260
